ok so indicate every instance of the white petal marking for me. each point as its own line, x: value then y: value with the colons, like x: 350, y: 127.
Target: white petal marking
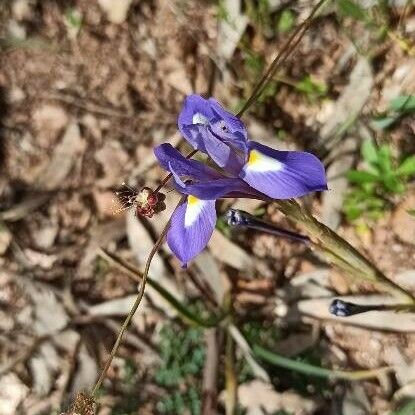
x: 259, y: 162
x: 199, y: 118
x: 193, y: 210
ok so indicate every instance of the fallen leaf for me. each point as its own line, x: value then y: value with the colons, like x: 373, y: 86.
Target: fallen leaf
x: 229, y: 253
x: 355, y: 401
x: 12, y: 392
x: 210, y: 272
x: 332, y: 200
x: 101, y: 236
x: 49, y: 314
x: 65, y: 154
x: 231, y: 28
x: 117, y: 307
x: 141, y: 244
x: 86, y: 373
x: 113, y: 159
x: 39, y: 259
x: 349, y: 104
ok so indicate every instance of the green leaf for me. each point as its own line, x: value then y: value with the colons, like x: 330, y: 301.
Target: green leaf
x: 73, y: 18
x: 286, y: 21
x: 311, y: 87
x: 407, y: 168
x: 359, y: 176
x: 351, y: 9
x: 385, y: 159
x: 411, y: 212
x: 393, y: 184
x: 369, y: 151
x: 403, y: 103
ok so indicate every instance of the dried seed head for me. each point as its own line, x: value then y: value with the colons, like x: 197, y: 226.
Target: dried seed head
x: 145, y: 201
x: 83, y: 405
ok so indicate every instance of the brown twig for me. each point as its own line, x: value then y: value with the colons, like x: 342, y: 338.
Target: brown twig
x: 134, y: 307
x: 282, y: 56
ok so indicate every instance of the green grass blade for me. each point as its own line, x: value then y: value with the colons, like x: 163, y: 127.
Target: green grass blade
x: 312, y: 370
x: 184, y: 312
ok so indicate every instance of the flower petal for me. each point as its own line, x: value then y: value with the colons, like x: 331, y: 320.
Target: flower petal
x: 192, y: 225
x: 171, y: 159
x: 233, y: 123
x: 209, y: 128
x: 196, y: 110
x: 225, y: 187
x: 283, y: 174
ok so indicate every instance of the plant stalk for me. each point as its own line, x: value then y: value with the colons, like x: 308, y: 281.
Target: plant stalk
x: 137, y: 302
x: 339, y: 252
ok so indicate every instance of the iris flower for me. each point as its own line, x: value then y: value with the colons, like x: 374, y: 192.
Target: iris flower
x: 244, y: 168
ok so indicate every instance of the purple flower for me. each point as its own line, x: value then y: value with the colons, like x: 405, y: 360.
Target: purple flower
x: 245, y: 169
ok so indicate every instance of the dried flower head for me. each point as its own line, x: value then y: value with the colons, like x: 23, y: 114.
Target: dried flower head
x: 145, y: 201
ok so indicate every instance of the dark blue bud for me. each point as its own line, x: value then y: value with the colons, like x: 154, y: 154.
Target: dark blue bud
x: 236, y: 217
x: 340, y: 308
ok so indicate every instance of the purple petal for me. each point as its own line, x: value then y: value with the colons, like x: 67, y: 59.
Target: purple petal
x: 209, y: 184
x: 216, y: 189
x: 171, y: 159
x: 233, y: 123
x: 192, y: 225
x: 212, y: 130
x: 283, y: 174
x: 196, y: 110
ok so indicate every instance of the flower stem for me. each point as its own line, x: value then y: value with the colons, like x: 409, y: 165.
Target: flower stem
x: 282, y: 56
x: 340, y: 252
x: 137, y: 302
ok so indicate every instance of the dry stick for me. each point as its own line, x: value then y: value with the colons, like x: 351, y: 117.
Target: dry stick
x: 134, y: 307
x: 282, y: 56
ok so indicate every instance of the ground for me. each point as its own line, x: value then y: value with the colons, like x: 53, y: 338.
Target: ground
x: 87, y: 89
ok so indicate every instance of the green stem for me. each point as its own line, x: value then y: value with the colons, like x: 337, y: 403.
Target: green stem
x: 312, y: 370
x: 340, y: 252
